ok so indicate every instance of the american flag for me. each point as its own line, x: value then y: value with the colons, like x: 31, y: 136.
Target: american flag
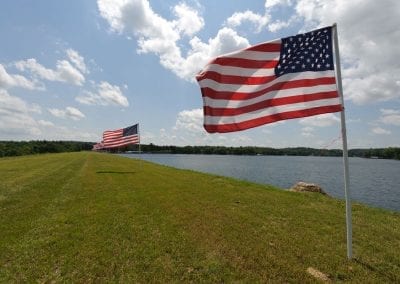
x: 282, y: 79
x: 98, y: 146
x: 121, y: 137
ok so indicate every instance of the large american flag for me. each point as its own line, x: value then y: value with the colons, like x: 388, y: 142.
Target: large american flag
x: 282, y: 79
x: 121, y: 137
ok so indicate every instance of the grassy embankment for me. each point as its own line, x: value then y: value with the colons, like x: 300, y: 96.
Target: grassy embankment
x: 87, y: 217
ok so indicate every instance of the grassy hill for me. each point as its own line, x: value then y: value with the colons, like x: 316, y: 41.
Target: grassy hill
x: 89, y: 217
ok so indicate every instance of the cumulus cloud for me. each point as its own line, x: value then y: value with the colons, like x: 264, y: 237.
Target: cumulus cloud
x: 264, y: 20
x: 371, y: 68
x: 322, y: 120
x: 188, y: 130
x: 190, y: 120
x: 369, y: 55
x: 307, y: 131
x: 16, y: 116
x: 17, y: 122
x: 68, y: 112
x: 64, y: 71
x: 380, y: 131
x: 259, y: 21
x: 106, y: 94
x: 159, y: 36
x: 77, y: 60
x: 189, y: 22
x: 390, y: 117
x: 45, y: 123
x: 14, y: 80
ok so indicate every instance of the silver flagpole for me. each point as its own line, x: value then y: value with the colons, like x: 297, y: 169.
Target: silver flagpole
x: 345, y: 153
x: 139, y: 137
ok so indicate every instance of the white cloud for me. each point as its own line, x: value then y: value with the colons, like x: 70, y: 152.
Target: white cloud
x: 278, y: 25
x: 307, y: 131
x: 189, y: 22
x: 17, y: 122
x: 14, y: 80
x: 259, y: 21
x: 370, y: 66
x: 322, y: 120
x: 273, y: 3
x: 385, y: 111
x: 64, y: 71
x: 188, y: 130
x: 77, y: 60
x: 161, y: 37
x: 106, y: 94
x: 45, y: 123
x: 390, y: 117
x: 16, y: 116
x: 190, y: 120
x: 68, y: 112
x: 380, y: 131
x: 367, y: 32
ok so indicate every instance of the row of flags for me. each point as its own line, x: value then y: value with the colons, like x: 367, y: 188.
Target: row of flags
x: 282, y: 79
x: 118, y: 138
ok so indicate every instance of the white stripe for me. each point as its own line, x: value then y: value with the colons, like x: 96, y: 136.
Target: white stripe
x: 208, y: 83
x: 252, y: 55
x: 218, y: 120
x: 234, y: 54
x: 270, y: 95
x: 122, y: 141
x: 239, y: 71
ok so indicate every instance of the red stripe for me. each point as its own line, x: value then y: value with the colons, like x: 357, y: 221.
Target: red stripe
x: 134, y: 139
x: 231, y: 79
x: 269, y: 103
x: 271, y: 118
x: 244, y: 63
x: 266, y: 47
x: 210, y: 93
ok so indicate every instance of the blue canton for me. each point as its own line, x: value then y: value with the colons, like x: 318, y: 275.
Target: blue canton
x: 310, y: 51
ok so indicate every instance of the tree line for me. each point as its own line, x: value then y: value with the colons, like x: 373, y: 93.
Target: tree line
x: 379, y: 153
x: 18, y: 148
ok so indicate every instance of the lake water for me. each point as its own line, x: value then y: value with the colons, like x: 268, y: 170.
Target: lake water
x: 372, y: 181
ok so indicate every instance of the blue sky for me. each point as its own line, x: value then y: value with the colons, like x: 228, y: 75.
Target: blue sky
x: 71, y: 69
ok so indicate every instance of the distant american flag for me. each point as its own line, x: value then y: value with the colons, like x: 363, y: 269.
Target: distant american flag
x: 121, y: 137
x: 282, y: 79
x: 98, y: 146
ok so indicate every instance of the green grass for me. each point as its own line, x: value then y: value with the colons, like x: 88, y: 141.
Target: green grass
x: 88, y: 217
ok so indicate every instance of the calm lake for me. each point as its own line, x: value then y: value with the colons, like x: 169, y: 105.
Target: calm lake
x: 372, y: 181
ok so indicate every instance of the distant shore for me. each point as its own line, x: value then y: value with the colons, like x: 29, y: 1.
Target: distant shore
x: 18, y: 148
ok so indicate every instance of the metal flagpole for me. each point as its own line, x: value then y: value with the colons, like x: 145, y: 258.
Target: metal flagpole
x: 140, y: 152
x: 138, y: 129
x: 344, y: 138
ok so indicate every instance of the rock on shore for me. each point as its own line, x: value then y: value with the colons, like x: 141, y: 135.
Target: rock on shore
x: 307, y: 187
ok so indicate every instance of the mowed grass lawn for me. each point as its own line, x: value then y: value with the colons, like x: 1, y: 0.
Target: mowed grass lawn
x: 90, y: 217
